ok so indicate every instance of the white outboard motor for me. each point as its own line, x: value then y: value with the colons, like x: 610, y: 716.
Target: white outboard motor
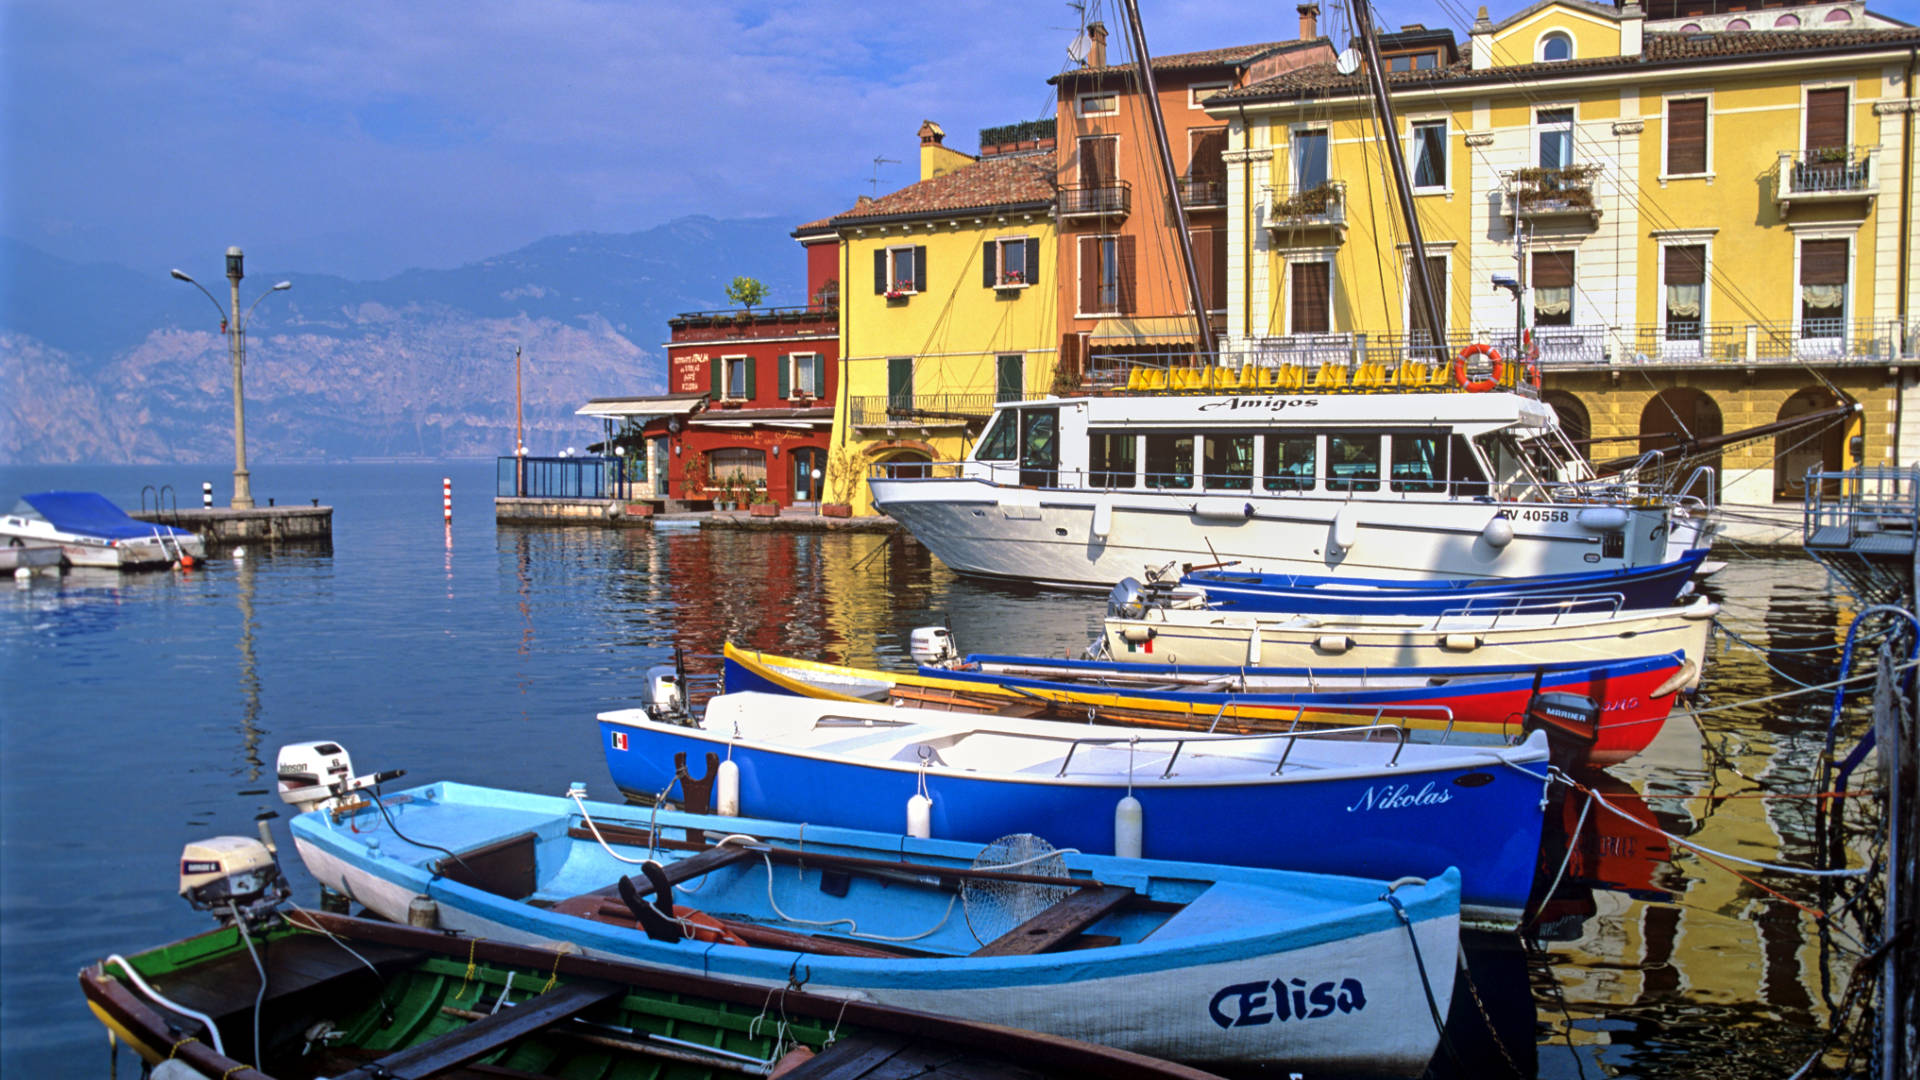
x: 232, y: 875
x: 1128, y: 600
x: 666, y: 693
x: 932, y: 646
x: 315, y: 775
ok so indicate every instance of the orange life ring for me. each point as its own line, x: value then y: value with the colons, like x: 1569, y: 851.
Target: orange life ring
x: 1478, y: 348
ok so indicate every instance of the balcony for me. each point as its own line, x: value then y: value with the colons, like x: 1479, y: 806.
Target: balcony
x: 1203, y: 192
x: 1814, y: 177
x: 1111, y: 201
x: 919, y: 410
x: 1545, y: 195
x: 1321, y: 206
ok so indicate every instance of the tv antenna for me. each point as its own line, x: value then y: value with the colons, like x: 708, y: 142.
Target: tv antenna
x: 879, y: 160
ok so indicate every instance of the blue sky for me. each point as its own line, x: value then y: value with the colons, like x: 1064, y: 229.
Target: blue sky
x: 366, y: 138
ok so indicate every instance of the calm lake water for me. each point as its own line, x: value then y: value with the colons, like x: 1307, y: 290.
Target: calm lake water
x: 143, y: 711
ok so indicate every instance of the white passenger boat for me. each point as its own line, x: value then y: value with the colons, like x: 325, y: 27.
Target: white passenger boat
x: 1408, y: 482
x: 90, y: 531
x: 1529, y: 633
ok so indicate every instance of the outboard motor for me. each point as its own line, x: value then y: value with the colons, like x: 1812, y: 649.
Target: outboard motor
x: 1572, y: 724
x: 932, y: 646
x: 232, y: 876
x: 666, y: 693
x: 1128, y: 600
x: 317, y: 775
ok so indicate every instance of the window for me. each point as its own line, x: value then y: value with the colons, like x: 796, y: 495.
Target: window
x: 1110, y: 459
x: 1001, y: 439
x: 1685, y: 279
x: 1417, y: 329
x: 899, y: 271
x: 1204, y: 149
x: 733, y: 378
x: 1170, y: 461
x: 1555, y: 47
x: 1556, y: 137
x: 1312, y: 297
x: 1010, y: 377
x: 1198, y: 93
x: 1229, y: 462
x: 1097, y: 104
x: 1463, y: 470
x: 1419, y: 462
x: 1210, y: 259
x: 1106, y: 274
x: 1097, y: 161
x: 1552, y: 288
x: 1827, y: 119
x: 1353, y: 462
x: 1425, y: 61
x: 1309, y: 159
x: 899, y: 383
x: 1687, y: 137
x: 1039, y: 447
x: 803, y: 375
x: 1823, y: 288
x: 1288, y: 462
x: 1011, y: 262
x: 1430, y: 154
x: 738, y: 465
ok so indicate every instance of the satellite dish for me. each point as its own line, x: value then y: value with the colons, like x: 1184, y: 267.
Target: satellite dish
x: 1079, y: 47
x: 1347, y: 62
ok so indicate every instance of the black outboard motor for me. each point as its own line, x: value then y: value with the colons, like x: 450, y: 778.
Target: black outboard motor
x: 1572, y: 724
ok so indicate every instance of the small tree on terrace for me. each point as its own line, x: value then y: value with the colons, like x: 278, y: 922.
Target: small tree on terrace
x: 747, y: 292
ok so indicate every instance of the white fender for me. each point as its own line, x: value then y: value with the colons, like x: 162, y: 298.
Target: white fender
x: 1346, y: 528
x: 1102, y: 519
x: 1498, y: 533
x: 1603, y: 518
x: 1460, y: 642
x: 920, y: 816
x: 1129, y: 828
x: 726, y: 792
x: 1136, y: 634
x: 1333, y: 643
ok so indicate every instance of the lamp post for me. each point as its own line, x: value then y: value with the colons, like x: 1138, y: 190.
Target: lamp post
x: 233, y: 323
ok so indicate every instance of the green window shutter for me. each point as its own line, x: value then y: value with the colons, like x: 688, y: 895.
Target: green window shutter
x: 988, y: 255
x: 920, y: 269
x: 1033, y: 260
x: 900, y: 381
x: 715, y: 383
x: 785, y: 362
x: 819, y: 376
x: 880, y: 271
x: 747, y: 391
x: 1011, y: 386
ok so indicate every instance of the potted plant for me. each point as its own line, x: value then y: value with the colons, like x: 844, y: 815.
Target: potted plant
x: 763, y: 505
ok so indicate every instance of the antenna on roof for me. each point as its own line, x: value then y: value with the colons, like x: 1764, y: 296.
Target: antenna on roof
x: 1082, y: 43
x: 879, y: 160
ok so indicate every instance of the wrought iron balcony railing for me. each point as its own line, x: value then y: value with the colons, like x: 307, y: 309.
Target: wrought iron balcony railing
x: 919, y: 410
x: 1545, y: 192
x: 1322, y: 204
x: 1202, y: 192
x: 1828, y: 175
x: 1114, y: 199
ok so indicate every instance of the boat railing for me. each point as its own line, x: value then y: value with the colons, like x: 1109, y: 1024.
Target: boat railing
x: 1559, y: 605
x: 1291, y: 738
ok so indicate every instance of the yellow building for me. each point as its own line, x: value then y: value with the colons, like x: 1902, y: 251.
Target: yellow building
x: 947, y: 305
x: 1702, y: 203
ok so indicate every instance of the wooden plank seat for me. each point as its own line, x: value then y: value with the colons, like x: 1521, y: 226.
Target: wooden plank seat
x: 1052, y: 928
x: 454, y: 1049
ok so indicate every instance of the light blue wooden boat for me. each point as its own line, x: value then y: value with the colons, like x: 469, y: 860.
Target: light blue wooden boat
x: 1203, y: 964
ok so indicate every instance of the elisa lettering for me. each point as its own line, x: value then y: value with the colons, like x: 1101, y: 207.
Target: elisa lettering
x: 1249, y: 1004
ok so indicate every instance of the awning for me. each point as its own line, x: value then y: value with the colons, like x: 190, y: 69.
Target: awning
x: 1160, y: 330
x: 637, y: 407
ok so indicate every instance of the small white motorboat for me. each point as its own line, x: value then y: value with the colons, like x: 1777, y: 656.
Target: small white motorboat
x: 91, y: 531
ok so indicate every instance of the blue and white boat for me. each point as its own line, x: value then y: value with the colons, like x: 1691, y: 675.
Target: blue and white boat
x: 1622, y: 589
x: 1330, y: 801
x: 91, y: 531
x: 1202, y: 964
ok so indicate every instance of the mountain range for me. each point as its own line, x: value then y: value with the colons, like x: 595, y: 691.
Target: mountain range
x: 103, y: 364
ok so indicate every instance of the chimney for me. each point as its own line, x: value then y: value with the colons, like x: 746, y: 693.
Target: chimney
x: 1481, y: 41
x: 931, y: 134
x: 935, y: 158
x: 1097, y: 45
x: 1309, y: 21
x: 1633, y: 23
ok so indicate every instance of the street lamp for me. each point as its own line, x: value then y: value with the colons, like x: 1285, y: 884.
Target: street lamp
x: 234, y: 324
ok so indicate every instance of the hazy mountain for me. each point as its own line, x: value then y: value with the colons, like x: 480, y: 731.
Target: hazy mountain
x: 99, y: 363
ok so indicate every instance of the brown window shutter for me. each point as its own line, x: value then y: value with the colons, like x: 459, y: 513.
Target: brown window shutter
x: 1310, y: 295
x: 1823, y: 262
x: 1827, y: 119
x: 1089, y: 273
x: 1687, y: 136
x: 1417, y: 308
x: 1096, y: 161
x: 1207, y: 148
x: 1125, y: 247
x: 1552, y: 270
x: 1217, y: 295
x: 1686, y: 265
x: 1203, y: 262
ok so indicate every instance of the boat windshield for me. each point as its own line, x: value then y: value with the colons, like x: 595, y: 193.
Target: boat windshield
x: 1001, y: 440
x: 24, y: 509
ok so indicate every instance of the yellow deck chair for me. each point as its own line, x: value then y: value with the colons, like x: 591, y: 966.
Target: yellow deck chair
x: 1249, y: 378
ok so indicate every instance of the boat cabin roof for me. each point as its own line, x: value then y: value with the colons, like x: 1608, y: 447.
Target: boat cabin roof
x: 1484, y: 411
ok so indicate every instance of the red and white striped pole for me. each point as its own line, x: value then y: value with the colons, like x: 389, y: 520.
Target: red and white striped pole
x: 446, y: 498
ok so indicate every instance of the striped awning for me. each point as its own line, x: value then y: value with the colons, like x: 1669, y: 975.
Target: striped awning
x: 635, y: 407
x: 1159, y: 330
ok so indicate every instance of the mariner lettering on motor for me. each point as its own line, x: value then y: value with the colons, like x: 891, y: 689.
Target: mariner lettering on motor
x: 1247, y: 1004
x: 1271, y: 404
x: 1399, y: 797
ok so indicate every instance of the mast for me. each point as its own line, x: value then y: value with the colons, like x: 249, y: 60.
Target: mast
x: 1145, y: 64
x: 1377, y: 82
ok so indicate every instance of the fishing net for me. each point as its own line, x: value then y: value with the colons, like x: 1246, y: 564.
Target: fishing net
x: 994, y: 906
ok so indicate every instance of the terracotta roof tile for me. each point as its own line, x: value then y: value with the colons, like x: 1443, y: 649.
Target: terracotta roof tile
x: 1004, y: 180
x: 1205, y: 58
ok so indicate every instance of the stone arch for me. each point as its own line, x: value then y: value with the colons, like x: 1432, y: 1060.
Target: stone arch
x: 1675, y: 415
x: 1575, y: 421
x: 904, y: 452
x: 1821, y: 446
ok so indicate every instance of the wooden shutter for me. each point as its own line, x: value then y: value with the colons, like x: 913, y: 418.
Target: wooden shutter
x: 1217, y: 296
x: 1552, y: 270
x: 784, y: 382
x: 1311, y: 289
x: 1687, y: 136
x: 1827, y: 119
x: 1686, y: 265
x: 1126, y: 265
x: 1206, y: 163
x: 819, y: 376
x: 747, y: 391
x: 1417, y: 308
x: 1823, y: 262
x: 989, y: 256
x: 880, y: 271
x: 919, y: 269
x: 716, y: 378
x: 1033, y: 260
x: 900, y: 381
x: 1096, y: 161
x: 1089, y: 274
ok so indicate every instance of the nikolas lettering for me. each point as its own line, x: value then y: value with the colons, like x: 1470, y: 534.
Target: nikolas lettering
x: 1254, y: 1003
x: 1399, y: 797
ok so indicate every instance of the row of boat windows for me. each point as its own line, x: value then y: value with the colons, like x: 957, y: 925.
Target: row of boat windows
x: 1338, y: 461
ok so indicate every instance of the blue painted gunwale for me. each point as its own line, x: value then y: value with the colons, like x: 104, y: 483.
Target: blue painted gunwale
x: 1300, y: 594
x: 463, y: 817
x: 1491, y: 832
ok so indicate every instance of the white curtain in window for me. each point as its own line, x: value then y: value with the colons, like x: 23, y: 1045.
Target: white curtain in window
x: 1553, y: 301
x: 1683, y: 301
x: 1824, y: 296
